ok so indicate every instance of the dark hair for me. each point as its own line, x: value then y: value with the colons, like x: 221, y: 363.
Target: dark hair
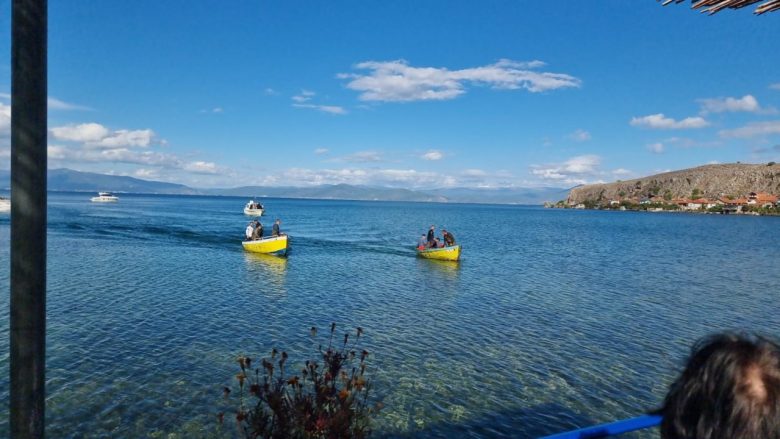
x: 730, y: 388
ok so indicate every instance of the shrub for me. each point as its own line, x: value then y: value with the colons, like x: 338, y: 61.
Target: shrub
x: 326, y: 400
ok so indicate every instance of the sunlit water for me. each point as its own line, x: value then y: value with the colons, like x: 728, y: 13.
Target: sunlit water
x: 553, y: 319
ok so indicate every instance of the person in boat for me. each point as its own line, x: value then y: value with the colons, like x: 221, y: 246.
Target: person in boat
x: 275, y: 229
x: 250, y: 229
x: 422, y: 242
x: 449, y: 240
x: 257, y: 233
x: 730, y: 388
x: 431, y: 236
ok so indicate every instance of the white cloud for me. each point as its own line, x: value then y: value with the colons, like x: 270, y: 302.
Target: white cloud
x: 433, y: 154
x: 387, y: 177
x: 397, y: 81
x: 775, y: 86
x: 332, y: 109
x: 85, y: 132
x: 656, y: 148
x: 97, y: 136
x: 621, y: 171
x: 304, y: 96
x: 576, y: 170
x: 146, y: 173
x: 213, y: 110
x: 474, y: 173
x: 70, y: 155
x: 360, y: 157
x: 720, y: 105
x: 580, y: 136
x: 659, y: 121
x: 122, y: 138
x: 753, y: 129
x: 303, y: 99
x: 321, y: 151
x: 5, y: 119
x: 270, y: 92
x: 200, y: 167
x: 56, y: 104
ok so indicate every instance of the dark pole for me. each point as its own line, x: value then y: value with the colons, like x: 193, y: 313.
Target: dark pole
x: 28, y: 217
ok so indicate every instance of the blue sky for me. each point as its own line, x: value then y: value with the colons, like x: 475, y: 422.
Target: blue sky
x: 404, y: 94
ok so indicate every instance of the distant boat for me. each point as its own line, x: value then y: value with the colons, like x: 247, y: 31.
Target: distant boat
x: 105, y: 197
x: 253, y: 209
x: 5, y: 204
x: 443, y: 254
x: 277, y: 245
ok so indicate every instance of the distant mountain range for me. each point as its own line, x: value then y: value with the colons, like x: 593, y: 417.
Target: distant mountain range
x: 76, y: 181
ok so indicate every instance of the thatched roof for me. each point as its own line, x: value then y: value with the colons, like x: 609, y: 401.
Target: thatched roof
x: 713, y: 6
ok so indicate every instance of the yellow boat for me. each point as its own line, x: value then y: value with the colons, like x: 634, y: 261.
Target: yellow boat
x: 272, y: 244
x: 443, y: 254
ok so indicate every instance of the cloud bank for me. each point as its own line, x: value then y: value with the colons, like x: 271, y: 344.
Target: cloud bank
x: 397, y: 81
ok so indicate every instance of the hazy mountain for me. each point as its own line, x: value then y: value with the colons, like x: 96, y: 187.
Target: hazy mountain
x: 329, y: 191
x: 501, y: 195
x: 77, y: 181
x: 70, y: 180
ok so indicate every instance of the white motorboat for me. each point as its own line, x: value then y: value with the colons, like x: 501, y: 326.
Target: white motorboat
x: 253, y: 208
x: 5, y: 205
x: 105, y: 197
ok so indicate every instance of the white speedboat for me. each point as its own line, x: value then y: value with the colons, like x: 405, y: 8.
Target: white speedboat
x: 5, y: 205
x: 253, y: 208
x: 105, y: 197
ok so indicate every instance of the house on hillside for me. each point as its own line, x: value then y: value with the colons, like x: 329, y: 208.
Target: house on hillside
x: 762, y: 199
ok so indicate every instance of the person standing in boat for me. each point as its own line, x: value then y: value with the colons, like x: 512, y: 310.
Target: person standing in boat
x: 275, y: 229
x: 449, y: 240
x: 257, y: 233
x: 431, y: 236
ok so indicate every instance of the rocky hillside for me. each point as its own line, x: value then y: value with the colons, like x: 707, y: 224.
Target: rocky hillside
x: 710, y: 180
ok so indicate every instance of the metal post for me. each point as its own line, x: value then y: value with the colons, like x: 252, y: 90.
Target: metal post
x: 28, y: 217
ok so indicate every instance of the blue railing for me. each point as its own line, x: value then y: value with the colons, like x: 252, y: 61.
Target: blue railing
x: 610, y: 428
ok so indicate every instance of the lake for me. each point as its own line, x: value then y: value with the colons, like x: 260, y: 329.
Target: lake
x: 553, y: 319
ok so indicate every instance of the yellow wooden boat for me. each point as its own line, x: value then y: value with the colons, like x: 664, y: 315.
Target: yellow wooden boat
x: 442, y: 254
x: 271, y: 244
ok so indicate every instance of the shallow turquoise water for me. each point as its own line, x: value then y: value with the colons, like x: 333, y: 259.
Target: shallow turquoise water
x: 553, y: 319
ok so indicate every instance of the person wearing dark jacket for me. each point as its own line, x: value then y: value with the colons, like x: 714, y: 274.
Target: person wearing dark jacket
x: 449, y: 240
x: 275, y: 229
x: 258, y: 231
x: 431, y: 236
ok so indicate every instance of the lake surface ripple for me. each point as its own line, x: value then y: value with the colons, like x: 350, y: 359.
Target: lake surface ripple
x: 553, y: 319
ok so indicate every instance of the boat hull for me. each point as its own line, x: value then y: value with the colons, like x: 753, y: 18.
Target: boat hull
x: 273, y: 245
x: 104, y: 199
x: 441, y: 254
x: 253, y: 212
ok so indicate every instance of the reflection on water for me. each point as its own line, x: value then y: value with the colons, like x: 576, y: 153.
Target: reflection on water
x: 565, y: 323
x: 444, y: 269
x: 267, y: 271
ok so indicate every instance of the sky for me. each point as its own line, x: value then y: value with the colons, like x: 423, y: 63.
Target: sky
x: 402, y: 94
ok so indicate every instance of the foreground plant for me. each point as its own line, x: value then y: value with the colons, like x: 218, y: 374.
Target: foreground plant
x: 326, y: 400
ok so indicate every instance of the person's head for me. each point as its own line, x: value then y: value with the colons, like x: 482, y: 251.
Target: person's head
x: 730, y: 388
x: 278, y: 221
x: 433, y: 227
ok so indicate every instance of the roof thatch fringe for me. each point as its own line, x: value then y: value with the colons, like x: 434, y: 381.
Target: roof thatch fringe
x: 713, y: 6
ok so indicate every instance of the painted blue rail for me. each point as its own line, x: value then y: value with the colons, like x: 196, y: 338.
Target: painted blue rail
x: 610, y: 428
